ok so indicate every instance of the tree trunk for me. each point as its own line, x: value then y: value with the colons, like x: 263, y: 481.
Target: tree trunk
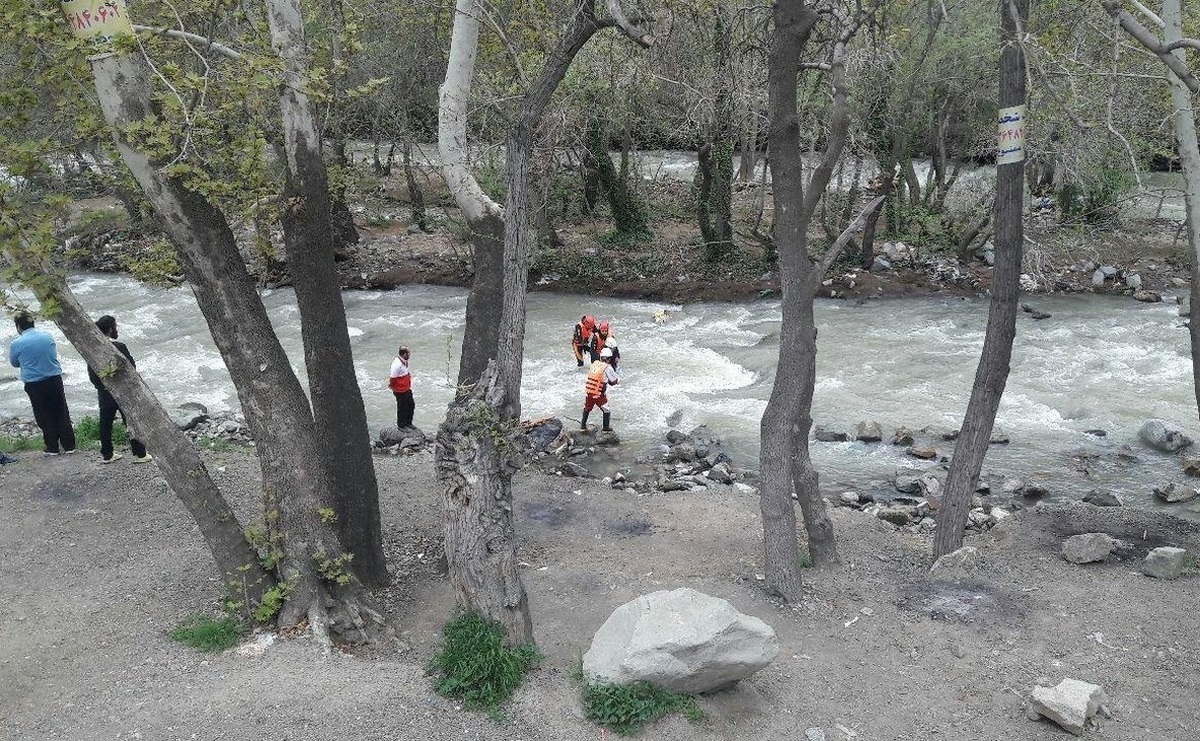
x: 992, y: 373
x: 475, y: 463
x: 629, y: 214
x: 416, y: 198
x: 242, y: 575
x: 294, y: 489
x: 1184, y: 118
x: 337, y: 404
x: 793, y: 22
x: 716, y: 156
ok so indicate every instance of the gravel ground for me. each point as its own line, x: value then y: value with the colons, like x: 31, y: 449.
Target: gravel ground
x: 100, y: 561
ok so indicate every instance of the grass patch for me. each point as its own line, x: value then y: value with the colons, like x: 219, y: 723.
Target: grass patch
x: 625, y: 708
x: 476, y: 667
x: 16, y: 444
x: 87, y: 434
x: 804, y: 560
x: 208, y: 634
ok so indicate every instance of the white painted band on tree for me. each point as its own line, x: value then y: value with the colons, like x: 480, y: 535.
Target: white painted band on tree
x: 101, y: 20
x: 1010, y: 135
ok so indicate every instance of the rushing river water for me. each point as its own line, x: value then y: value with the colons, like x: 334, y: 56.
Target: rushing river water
x: 1100, y: 362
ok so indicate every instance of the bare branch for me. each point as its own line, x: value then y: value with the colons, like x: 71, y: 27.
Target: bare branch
x: 627, y: 25
x: 1148, y: 13
x: 1147, y: 39
x: 854, y: 227
x: 175, y: 33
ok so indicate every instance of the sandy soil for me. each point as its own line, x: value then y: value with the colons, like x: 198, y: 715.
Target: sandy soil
x: 100, y: 561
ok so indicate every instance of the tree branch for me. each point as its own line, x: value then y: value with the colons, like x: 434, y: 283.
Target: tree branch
x: 175, y: 33
x: 627, y: 25
x: 1147, y: 39
x: 843, y: 239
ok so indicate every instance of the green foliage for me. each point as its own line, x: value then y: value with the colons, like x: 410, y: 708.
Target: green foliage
x: 476, y: 666
x: 87, y: 433
x: 333, y: 569
x: 629, y: 213
x: 14, y: 444
x: 917, y: 225
x: 272, y: 602
x: 804, y: 560
x: 209, y: 634
x: 1096, y: 198
x: 625, y: 708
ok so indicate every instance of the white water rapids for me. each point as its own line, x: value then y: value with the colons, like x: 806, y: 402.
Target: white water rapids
x: 1105, y: 363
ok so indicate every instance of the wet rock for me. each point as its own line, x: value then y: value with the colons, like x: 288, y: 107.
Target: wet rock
x: 720, y: 473
x: 1099, y: 498
x: 543, y: 433
x: 607, y: 438
x: 1109, y: 271
x: 924, y: 452
x: 824, y: 435
x: 868, y: 432
x: 1191, y: 465
x: 1070, y: 704
x: 1134, y: 281
x: 1034, y: 313
x: 1174, y: 493
x: 681, y: 452
x: 908, y: 481
x: 903, y: 436
x: 1158, y: 434
x: 189, y: 414
x: 1098, y: 278
x: 1088, y: 547
x: 849, y: 499
x: 1096, y: 433
x: 999, y: 437
x: 1148, y: 297
x: 674, y: 437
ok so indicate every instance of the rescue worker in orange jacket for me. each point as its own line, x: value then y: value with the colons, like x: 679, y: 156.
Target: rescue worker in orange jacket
x: 600, y: 376
x: 603, y: 338
x: 581, y: 342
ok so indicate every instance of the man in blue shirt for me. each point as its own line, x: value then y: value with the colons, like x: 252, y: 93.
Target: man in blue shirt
x: 35, y: 354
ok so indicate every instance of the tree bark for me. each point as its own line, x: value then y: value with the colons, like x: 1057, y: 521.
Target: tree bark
x: 337, y: 404
x: 782, y: 418
x: 476, y: 455
x: 1184, y: 119
x: 242, y: 576
x: 295, y: 486
x: 992, y: 374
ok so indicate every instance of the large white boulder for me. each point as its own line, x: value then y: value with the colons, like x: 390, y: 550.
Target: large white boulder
x: 1157, y: 434
x: 682, y: 640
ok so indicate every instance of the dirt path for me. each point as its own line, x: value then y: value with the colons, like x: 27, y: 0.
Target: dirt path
x: 99, y: 561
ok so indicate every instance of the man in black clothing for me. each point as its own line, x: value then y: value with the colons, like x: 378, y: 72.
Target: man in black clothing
x: 108, y: 405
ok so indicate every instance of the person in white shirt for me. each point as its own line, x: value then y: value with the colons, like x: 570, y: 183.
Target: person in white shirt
x: 400, y: 382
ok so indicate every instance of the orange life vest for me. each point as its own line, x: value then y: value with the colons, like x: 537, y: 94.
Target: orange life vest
x: 583, y: 331
x: 596, y: 383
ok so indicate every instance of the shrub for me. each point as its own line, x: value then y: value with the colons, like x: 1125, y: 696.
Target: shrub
x: 87, y: 433
x: 476, y: 666
x: 208, y: 634
x: 625, y: 708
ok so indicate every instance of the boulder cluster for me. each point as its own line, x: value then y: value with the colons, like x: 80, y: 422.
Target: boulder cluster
x: 691, y: 461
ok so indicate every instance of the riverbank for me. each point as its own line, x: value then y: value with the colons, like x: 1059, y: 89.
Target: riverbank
x: 109, y: 561
x: 670, y: 267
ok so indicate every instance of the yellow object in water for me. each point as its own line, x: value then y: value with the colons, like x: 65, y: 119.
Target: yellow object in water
x: 660, y: 316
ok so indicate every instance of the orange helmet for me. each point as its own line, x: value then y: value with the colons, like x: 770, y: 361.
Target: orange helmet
x: 589, y: 322
x: 603, y: 327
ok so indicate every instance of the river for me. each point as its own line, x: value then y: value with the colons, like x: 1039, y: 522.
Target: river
x: 1099, y: 362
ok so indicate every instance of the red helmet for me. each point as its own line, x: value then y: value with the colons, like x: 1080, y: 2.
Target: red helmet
x: 589, y: 322
x: 603, y: 327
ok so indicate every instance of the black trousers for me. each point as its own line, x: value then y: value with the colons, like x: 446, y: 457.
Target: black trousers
x: 404, y: 409
x: 50, y: 411
x: 108, y: 414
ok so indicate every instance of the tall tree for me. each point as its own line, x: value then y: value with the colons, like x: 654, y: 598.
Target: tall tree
x: 315, y: 583
x: 784, y: 462
x: 25, y: 254
x: 310, y: 243
x: 476, y: 445
x: 992, y: 373
x: 1185, y: 87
